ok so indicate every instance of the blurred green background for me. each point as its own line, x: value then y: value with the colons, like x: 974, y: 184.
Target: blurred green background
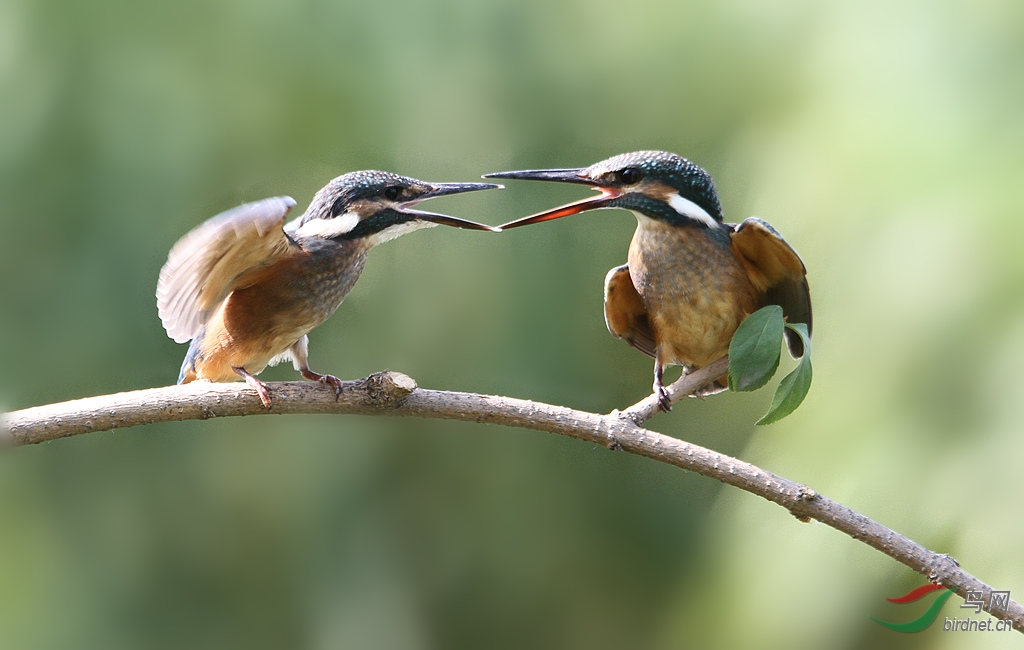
x: 883, y: 139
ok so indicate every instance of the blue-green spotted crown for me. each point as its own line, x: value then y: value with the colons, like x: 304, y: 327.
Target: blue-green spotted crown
x: 378, y: 200
x: 348, y: 189
x: 688, y: 178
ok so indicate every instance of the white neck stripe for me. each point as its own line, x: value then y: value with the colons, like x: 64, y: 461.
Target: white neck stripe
x: 688, y: 208
x: 328, y: 228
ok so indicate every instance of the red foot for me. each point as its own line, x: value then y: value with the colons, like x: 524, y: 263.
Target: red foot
x: 323, y: 379
x: 663, y: 400
x: 261, y: 389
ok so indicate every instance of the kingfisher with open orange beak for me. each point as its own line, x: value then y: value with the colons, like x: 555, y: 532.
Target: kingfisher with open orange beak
x: 691, y: 278
x: 246, y: 288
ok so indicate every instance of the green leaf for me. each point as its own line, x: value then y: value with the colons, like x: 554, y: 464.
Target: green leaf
x: 801, y: 329
x: 755, y: 349
x: 793, y: 388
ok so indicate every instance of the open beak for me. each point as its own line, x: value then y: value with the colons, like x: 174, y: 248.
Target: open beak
x: 579, y: 176
x: 444, y: 189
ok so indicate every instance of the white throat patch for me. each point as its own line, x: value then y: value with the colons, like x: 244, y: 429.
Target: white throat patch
x: 328, y: 228
x: 688, y: 208
x: 397, y: 230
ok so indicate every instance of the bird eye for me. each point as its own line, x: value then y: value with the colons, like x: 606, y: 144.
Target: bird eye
x: 630, y: 175
x: 391, y: 192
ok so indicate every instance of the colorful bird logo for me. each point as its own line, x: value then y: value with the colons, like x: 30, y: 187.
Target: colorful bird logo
x: 924, y: 620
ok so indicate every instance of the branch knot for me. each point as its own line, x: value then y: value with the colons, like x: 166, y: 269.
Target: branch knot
x: 387, y: 390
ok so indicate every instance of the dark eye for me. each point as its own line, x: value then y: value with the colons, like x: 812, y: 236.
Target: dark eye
x: 630, y: 175
x: 391, y: 192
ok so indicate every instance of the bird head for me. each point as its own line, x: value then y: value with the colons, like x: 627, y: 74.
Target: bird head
x: 657, y: 184
x: 378, y: 206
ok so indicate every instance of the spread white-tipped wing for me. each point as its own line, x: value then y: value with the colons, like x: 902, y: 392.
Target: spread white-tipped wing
x: 202, y: 268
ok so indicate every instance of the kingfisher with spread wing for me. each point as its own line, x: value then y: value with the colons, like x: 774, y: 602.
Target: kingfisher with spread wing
x: 246, y: 288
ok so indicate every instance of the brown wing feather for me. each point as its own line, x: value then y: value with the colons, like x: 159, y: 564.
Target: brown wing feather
x: 204, y: 266
x: 776, y: 270
x: 624, y: 311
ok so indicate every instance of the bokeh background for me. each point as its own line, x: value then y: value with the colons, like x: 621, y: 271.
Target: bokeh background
x: 883, y: 139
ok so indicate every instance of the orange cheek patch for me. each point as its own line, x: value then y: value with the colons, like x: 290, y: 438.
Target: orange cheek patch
x: 658, y: 190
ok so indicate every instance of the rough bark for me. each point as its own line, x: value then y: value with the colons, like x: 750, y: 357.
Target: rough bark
x: 391, y: 393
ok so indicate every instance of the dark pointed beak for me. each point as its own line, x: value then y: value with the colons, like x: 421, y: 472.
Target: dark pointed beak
x: 444, y: 189
x: 560, y: 175
x: 578, y: 176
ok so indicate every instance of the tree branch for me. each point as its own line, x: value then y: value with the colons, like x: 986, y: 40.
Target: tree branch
x: 390, y: 393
